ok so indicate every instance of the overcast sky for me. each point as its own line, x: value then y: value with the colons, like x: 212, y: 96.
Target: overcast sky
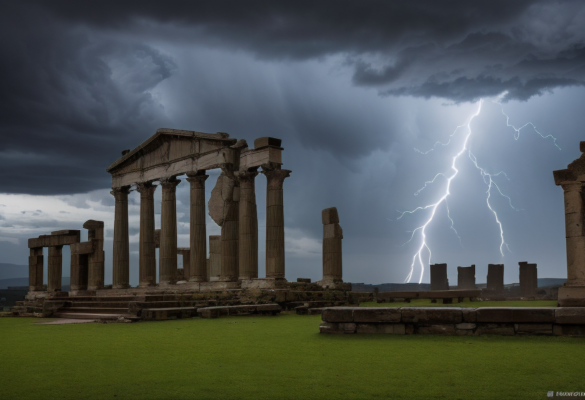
x: 356, y: 90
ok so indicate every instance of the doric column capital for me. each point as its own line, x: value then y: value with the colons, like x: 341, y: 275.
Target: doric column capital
x: 120, y: 193
x: 572, y: 186
x: 169, y: 183
x: 248, y: 175
x: 275, y: 177
x: 145, y: 188
x: 197, y: 179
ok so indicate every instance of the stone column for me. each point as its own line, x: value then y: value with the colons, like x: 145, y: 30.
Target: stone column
x: 495, y: 277
x: 528, y: 279
x: 168, y: 233
x: 79, y: 271
x: 275, y: 222
x: 248, y: 229
x: 147, y: 252
x: 198, y: 233
x: 214, y: 258
x: 121, y: 253
x: 332, y: 254
x: 466, y: 277
x: 95, y: 260
x: 575, y: 233
x: 35, y: 269
x: 229, y: 242
x: 55, y: 265
x: 439, y: 279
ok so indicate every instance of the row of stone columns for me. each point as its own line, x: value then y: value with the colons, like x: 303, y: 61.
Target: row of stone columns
x: 239, y: 234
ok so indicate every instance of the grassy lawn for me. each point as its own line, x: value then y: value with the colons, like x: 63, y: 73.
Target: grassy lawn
x: 281, y: 357
x: 466, y: 303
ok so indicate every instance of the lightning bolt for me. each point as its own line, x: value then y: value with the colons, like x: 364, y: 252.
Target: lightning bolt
x: 486, y: 176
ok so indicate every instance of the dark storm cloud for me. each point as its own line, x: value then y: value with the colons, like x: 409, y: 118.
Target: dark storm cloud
x: 77, y: 77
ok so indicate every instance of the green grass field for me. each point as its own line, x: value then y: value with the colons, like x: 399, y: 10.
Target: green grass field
x: 282, y: 357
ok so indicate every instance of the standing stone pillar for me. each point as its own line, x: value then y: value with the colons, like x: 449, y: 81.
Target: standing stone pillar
x: 55, y: 267
x: 35, y: 269
x: 79, y: 271
x: 466, y: 277
x: 95, y: 260
x: 528, y: 279
x: 168, y: 233
x: 214, y: 258
x: 495, y: 277
x: 198, y: 233
x: 275, y: 222
x: 332, y: 254
x: 572, y: 293
x: 147, y: 252
x: 439, y: 279
x: 121, y: 253
x: 248, y: 229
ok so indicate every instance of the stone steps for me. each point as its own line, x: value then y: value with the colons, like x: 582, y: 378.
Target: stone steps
x: 94, y: 316
x: 94, y: 310
x: 214, y: 312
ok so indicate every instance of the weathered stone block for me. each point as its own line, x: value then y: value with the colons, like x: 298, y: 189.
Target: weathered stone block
x: 338, y: 314
x: 495, y: 329
x: 376, y: 314
x: 397, y: 329
x: 534, y: 329
x: 466, y: 325
x: 330, y: 216
x: 469, y: 314
x: 431, y: 315
x: 569, y: 330
x: 266, y: 142
x: 516, y: 314
x: 570, y: 315
x: 443, y: 329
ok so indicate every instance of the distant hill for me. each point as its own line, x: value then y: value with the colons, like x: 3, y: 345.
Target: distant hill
x: 542, y: 282
x: 4, y: 283
x: 8, y: 271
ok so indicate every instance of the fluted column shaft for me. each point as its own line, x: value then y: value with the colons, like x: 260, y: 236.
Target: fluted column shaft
x: 35, y: 269
x: 575, y: 233
x: 248, y: 226
x: 229, y: 242
x: 147, y: 251
x: 55, y: 268
x: 121, y: 253
x: 168, y: 233
x: 275, y: 222
x: 198, y: 231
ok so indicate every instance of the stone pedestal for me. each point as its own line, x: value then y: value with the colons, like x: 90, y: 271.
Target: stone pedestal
x: 147, y: 252
x: 121, y: 252
x: 528, y: 279
x: 214, y: 258
x: 248, y: 226
x: 495, y: 277
x: 466, y: 277
x: 439, y: 279
x: 35, y: 269
x: 95, y: 260
x: 198, y: 232
x: 332, y: 254
x: 168, y: 233
x: 55, y: 268
x: 275, y: 222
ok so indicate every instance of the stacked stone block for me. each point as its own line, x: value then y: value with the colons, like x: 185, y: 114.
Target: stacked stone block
x: 528, y: 279
x: 495, y: 277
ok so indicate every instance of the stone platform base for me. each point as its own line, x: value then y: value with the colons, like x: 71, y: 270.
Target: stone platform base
x: 572, y: 296
x: 566, y: 321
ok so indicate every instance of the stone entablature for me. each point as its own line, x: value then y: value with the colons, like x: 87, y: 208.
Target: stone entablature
x: 455, y: 321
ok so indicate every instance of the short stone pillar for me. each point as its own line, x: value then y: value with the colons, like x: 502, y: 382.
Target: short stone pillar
x: 439, y: 279
x: 197, y: 270
x: 572, y: 179
x: 495, y: 277
x: 275, y: 222
x: 466, y: 277
x: 95, y: 260
x: 332, y: 254
x: 528, y: 279
x: 214, y: 258
x: 35, y: 269
x: 79, y: 271
x: 248, y: 226
x: 55, y: 268
x: 147, y: 252
x: 168, y: 233
x: 121, y: 251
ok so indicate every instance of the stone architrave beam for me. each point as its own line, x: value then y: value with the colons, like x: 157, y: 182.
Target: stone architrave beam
x: 57, y: 238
